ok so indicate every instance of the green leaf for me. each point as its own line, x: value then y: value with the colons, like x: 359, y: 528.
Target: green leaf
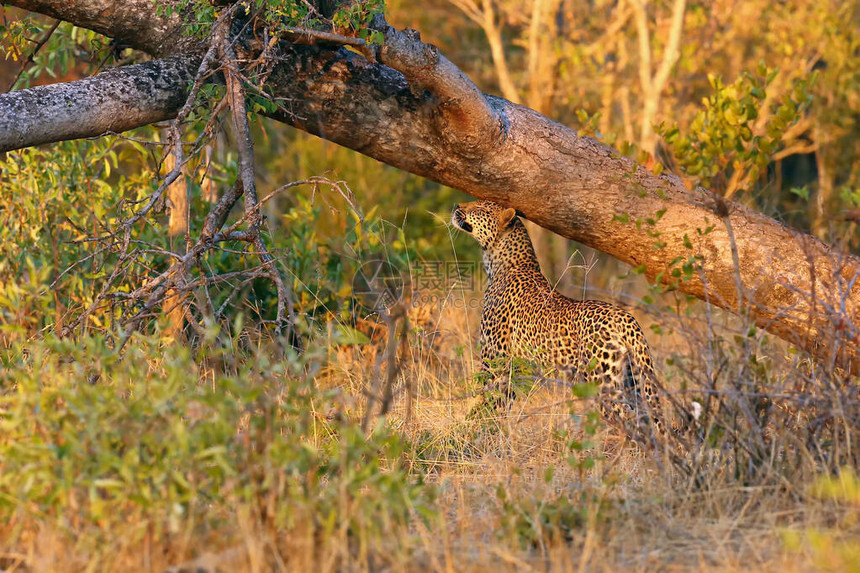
x: 348, y: 336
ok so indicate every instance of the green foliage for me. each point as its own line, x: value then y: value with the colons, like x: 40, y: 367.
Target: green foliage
x: 15, y: 37
x: 69, y: 50
x: 153, y: 440
x: 588, y: 126
x: 505, y: 381
x: 417, y: 206
x: 53, y: 200
x: 832, y: 549
x: 720, y: 140
x: 198, y: 15
x: 537, y: 520
x: 581, y: 443
x: 542, y: 518
x: 353, y: 19
x: 845, y: 487
x: 323, y: 264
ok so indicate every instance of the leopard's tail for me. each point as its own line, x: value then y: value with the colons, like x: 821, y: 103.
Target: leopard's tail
x: 643, y: 390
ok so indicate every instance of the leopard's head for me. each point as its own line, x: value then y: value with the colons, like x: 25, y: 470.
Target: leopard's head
x: 487, y: 222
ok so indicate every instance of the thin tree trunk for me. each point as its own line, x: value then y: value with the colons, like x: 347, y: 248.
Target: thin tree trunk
x: 820, y: 208
x: 209, y: 190
x: 653, y: 84
x: 177, y: 229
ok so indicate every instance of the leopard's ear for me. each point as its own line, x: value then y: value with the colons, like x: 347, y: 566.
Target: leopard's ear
x: 507, y: 218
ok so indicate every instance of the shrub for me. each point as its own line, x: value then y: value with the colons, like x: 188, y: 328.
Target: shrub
x: 103, y: 447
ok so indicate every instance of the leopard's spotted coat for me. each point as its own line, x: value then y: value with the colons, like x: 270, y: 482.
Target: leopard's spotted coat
x: 525, y: 317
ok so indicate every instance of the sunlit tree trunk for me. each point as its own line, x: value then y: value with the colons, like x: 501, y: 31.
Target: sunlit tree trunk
x: 651, y: 82
x: 820, y: 208
x: 177, y: 230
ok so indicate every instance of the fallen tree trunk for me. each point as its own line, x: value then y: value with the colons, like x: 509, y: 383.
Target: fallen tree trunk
x: 415, y: 110
x: 790, y: 283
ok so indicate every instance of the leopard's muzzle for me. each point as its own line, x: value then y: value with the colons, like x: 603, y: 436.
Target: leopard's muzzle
x: 458, y: 218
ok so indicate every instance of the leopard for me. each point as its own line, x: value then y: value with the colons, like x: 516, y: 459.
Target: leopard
x: 524, y: 317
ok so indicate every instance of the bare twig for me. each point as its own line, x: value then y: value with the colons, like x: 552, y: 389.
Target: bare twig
x: 392, y: 315
x: 244, y: 141
x: 317, y: 38
x: 236, y: 96
x: 485, y: 17
x: 383, y: 390
x: 126, y: 226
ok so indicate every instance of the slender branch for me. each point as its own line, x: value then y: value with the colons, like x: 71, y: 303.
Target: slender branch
x: 317, y: 38
x: 245, y: 146
x: 218, y: 213
x: 672, y: 50
x: 644, y: 37
x: 471, y: 10
x: 242, y: 131
x: 796, y: 149
x: 652, y: 85
x: 493, y: 32
x: 394, y: 366
x: 485, y: 17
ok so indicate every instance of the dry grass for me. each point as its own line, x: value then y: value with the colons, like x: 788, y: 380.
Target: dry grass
x: 651, y: 517
x: 498, y: 506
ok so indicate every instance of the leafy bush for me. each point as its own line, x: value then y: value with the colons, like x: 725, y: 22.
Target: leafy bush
x: 98, y: 445
x: 61, y: 254
x: 54, y: 201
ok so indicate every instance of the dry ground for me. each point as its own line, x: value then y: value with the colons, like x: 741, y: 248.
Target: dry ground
x: 513, y: 495
x: 641, y: 515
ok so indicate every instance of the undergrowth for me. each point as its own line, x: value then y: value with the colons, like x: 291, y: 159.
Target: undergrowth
x: 112, y: 454
x: 257, y: 461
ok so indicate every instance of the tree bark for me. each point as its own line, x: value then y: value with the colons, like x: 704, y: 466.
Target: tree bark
x: 416, y: 111
x: 114, y: 101
x: 130, y: 23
